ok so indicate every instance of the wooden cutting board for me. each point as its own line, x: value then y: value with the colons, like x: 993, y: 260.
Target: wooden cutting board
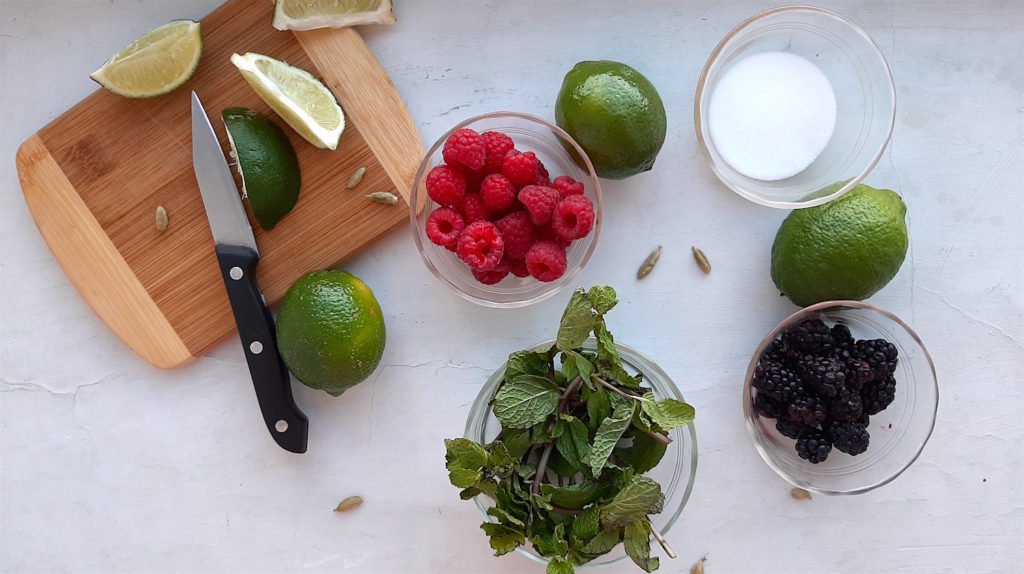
x: 94, y: 177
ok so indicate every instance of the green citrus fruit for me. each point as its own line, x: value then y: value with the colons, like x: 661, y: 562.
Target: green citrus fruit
x: 615, y: 114
x: 330, y: 331
x: 156, y: 63
x: 848, y: 248
x: 267, y: 163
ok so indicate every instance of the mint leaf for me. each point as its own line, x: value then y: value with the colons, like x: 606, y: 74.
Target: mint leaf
x: 526, y: 471
x: 574, y: 441
x: 603, y: 542
x: 598, y: 408
x: 527, y: 362
x: 583, y: 366
x: 637, y: 540
x: 658, y: 505
x: 569, y: 369
x: 499, y: 461
x: 559, y: 565
x: 464, y: 453
x: 551, y: 543
x: 608, y: 434
x: 587, y: 523
x: 577, y: 322
x: 633, y: 502
x: 608, y: 361
x: 503, y: 538
x: 516, y: 441
x: 467, y: 493
x: 574, y: 496
x: 602, y: 298
x: 645, y: 453
x: 464, y: 477
x: 667, y: 413
x: 504, y: 517
x: 525, y: 401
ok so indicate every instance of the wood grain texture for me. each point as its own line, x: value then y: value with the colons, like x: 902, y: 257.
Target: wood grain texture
x: 91, y: 260
x: 124, y: 157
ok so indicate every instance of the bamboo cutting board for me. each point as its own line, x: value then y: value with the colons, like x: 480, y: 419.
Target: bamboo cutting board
x: 94, y: 177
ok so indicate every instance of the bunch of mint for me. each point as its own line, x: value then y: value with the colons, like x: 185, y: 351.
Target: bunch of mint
x: 565, y: 472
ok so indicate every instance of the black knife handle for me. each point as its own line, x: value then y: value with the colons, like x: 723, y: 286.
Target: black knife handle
x: 285, y: 421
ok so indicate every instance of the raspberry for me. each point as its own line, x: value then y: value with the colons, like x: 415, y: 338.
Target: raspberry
x: 520, y: 168
x: 567, y: 186
x: 473, y: 208
x: 573, y: 217
x: 464, y: 148
x: 546, y: 261
x: 545, y: 232
x: 496, y: 145
x: 518, y: 267
x: 542, y: 177
x: 539, y: 201
x: 473, y: 180
x: 480, y: 246
x: 517, y: 232
x: 497, y: 192
x: 494, y: 275
x: 446, y: 185
x: 444, y: 226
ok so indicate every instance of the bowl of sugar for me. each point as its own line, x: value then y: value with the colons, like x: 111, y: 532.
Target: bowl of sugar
x: 794, y: 107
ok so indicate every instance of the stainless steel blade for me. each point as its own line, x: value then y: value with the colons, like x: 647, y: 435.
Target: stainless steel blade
x: 220, y: 195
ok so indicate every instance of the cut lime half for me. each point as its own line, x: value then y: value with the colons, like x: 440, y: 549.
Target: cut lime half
x: 156, y: 63
x: 309, y: 14
x: 298, y: 97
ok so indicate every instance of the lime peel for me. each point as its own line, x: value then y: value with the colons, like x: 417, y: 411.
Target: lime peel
x: 154, y: 64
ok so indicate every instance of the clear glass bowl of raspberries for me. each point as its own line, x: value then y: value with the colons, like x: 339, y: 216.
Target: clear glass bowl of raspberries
x: 506, y: 209
x: 676, y: 471
x: 840, y: 397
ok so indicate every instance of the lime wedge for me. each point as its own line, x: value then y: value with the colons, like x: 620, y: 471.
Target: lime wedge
x: 267, y: 163
x: 156, y: 63
x: 309, y: 14
x: 299, y: 98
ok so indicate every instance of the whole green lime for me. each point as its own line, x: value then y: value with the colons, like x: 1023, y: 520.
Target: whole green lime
x: 848, y: 248
x: 267, y: 163
x: 615, y: 114
x: 330, y: 331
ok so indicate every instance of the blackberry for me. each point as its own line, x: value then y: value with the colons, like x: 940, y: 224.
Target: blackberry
x: 878, y: 395
x: 849, y: 437
x: 811, y: 337
x: 841, y: 336
x: 813, y: 446
x: 777, y: 381
x: 823, y: 376
x: 858, y: 373
x: 768, y: 407
x: 808, y: 410
x: 790, y: 428
x: 880, y: 354
x: 847, y: 406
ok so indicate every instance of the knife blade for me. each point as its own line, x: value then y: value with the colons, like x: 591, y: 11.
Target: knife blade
x: 238, y: 256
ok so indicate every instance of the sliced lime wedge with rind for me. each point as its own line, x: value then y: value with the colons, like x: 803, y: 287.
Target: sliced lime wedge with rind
x: 310, y: 14
x: 156, y: 63
x: 267, y: 163
x: 297, y: 96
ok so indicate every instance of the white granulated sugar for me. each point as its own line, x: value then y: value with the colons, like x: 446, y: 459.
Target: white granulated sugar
x: 771, y: 115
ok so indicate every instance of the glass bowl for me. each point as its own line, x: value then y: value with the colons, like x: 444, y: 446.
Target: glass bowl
x: 898, y: 433
x: 861, y: 81
x: 675, y: 473
x: 561, y: 155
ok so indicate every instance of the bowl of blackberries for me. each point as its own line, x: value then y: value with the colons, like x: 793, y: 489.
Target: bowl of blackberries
x: 840, y: 397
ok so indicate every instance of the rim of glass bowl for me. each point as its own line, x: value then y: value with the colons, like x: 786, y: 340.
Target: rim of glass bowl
x: 702, y: 89
x: 637, y: 360
x: 561, y: 283
x: 798, y: 316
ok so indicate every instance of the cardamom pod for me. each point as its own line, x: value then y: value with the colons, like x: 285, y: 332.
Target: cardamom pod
x: 348, y: 504
x: 356, y: 178
x: 701, y: 259
x: 698, y: 568
x: 384, y: 197
x: 161, y: 218
x: 800, y: 494
x: 648, y: 265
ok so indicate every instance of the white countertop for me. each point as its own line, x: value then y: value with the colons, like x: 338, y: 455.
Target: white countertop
x: 108, y: 464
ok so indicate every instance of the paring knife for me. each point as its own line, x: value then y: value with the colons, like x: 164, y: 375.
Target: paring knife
x: 238, y: 256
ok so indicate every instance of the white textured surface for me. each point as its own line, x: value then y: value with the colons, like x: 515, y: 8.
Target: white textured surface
x: 107, y: 464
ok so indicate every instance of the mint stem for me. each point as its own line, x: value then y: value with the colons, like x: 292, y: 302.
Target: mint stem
x: 656, y: 436
x: 661, y: 540
x: 543, y: 465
